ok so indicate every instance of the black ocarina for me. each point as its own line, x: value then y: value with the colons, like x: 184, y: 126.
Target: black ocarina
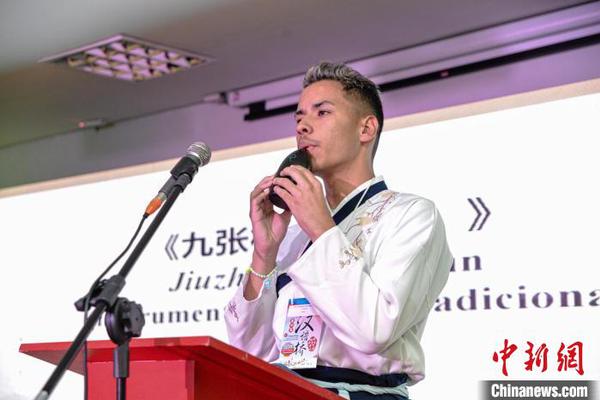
x: 298, y: 157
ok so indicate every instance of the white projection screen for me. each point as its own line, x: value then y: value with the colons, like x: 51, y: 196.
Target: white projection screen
x: 526, y: 269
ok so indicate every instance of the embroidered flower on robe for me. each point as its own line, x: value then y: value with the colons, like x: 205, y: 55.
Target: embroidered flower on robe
x: 351, y: 254
x: 363, y: 226
x: 232, y: 309
x: 365, y: 219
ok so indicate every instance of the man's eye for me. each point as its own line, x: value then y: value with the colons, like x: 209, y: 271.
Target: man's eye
x: 323, y: 112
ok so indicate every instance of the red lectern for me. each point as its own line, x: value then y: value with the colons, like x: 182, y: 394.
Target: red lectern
x: 187, y: 368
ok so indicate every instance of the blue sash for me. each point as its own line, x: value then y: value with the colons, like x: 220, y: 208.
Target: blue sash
x: 339, y: 216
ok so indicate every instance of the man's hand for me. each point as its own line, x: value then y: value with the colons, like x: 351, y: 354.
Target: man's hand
x: 268, y: 227
x: 305, y: 200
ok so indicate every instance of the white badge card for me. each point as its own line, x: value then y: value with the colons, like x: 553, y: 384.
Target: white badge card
x: 301, y: 336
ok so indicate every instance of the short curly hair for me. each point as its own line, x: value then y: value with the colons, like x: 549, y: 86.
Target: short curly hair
x: 353, y: 83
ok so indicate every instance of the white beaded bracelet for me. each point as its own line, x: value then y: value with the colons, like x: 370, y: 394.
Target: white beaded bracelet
x: 262, y: 276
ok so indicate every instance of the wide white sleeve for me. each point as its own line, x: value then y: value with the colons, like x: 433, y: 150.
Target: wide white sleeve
x: 250, y: 323
x: 369, y: 299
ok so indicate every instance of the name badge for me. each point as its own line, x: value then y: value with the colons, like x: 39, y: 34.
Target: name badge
x: 301, y: 336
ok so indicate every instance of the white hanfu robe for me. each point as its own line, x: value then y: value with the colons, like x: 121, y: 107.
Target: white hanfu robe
x: 372, y: 279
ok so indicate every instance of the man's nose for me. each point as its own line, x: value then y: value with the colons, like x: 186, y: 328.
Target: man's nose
x: 303, y: 128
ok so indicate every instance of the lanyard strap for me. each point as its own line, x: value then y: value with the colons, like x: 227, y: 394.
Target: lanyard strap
x: 338, y: 217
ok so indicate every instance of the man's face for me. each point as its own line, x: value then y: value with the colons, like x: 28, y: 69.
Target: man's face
x: 328, y: 125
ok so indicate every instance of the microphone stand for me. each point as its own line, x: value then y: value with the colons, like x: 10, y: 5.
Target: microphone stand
x: 124, y: 318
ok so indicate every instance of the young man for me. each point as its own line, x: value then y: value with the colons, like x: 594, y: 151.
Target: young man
x: 345, y: 293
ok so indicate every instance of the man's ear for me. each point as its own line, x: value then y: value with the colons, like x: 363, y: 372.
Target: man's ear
x: 369, y: 128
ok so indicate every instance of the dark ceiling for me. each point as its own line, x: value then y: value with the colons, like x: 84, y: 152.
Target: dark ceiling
x: 252, y: 41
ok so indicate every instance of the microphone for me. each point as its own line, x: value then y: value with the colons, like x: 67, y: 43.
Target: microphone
x: 198, y: 155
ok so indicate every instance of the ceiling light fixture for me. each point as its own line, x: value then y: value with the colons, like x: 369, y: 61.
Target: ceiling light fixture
x: 437, y: 59
x: 97, y: 124
x: 128, y: 58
